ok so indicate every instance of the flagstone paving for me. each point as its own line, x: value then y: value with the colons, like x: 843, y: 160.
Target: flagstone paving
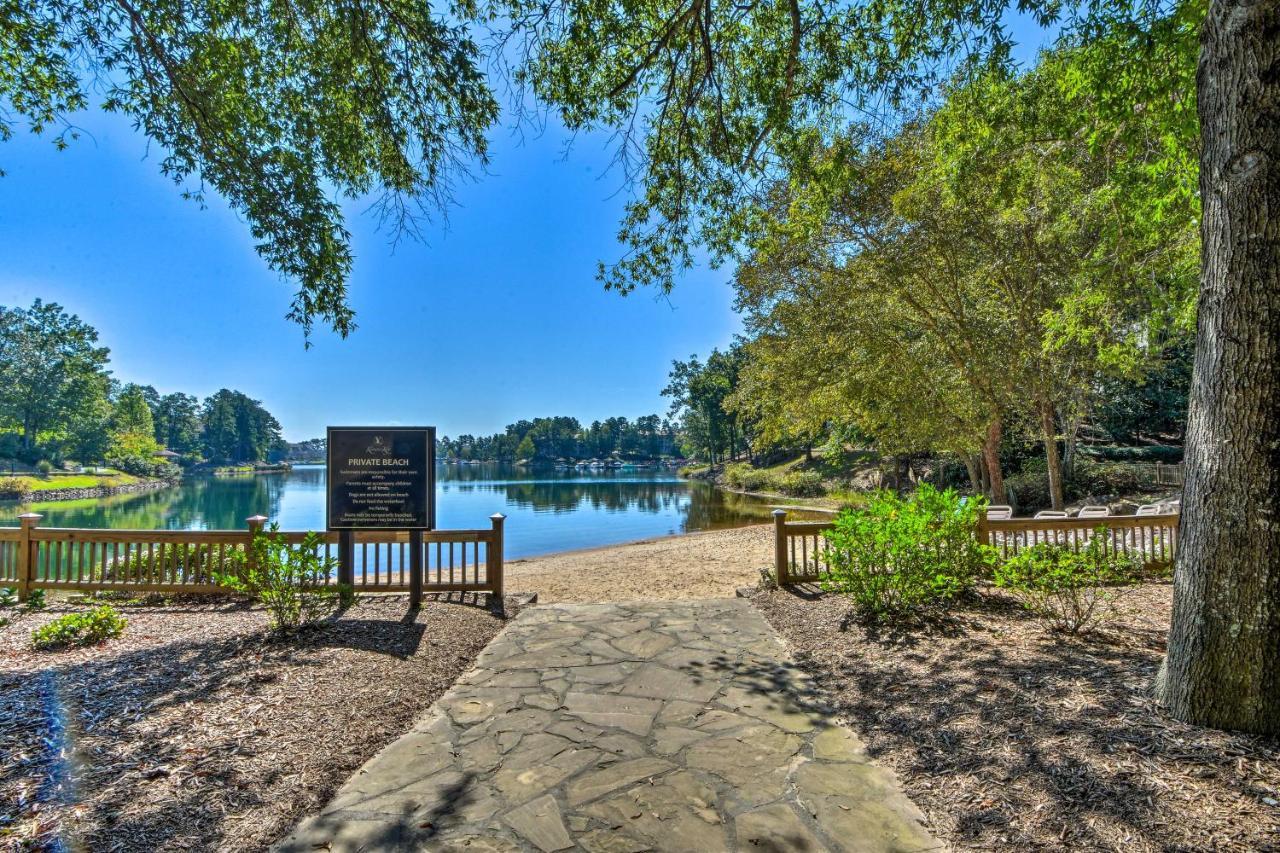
x: 665, y: 726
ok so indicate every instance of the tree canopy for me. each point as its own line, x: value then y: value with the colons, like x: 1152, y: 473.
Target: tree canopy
x: 282, y: 109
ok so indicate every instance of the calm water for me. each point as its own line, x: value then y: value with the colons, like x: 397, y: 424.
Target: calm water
x: 546, y: 511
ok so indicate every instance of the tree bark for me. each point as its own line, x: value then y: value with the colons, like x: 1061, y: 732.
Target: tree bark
x: 1223, y: 664
x: 991, y: 456
x: 1053, y: 462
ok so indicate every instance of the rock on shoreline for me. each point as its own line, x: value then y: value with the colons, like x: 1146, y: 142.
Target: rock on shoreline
x: 85, y: 492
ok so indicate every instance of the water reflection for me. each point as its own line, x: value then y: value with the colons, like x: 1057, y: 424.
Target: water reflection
x: 547, y: 511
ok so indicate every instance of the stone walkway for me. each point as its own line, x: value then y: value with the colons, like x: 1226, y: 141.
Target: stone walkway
x: 665, y: 726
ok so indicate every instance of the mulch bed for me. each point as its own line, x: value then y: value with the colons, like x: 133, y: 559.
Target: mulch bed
x: 1012, y: 737
x: 198, y: 730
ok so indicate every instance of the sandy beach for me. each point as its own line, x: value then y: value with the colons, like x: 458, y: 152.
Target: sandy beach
x: 694, y: 565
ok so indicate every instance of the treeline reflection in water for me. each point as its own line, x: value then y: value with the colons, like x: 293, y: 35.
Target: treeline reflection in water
x: 547, y: 511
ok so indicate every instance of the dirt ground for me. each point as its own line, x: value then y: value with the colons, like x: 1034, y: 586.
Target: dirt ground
x: 695, y: 565
x: 1014, y: 738
x: 197, y: 730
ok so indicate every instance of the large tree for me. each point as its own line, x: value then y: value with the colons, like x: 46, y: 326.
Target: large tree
x: 714, y: 102
x: 280, y: 108
x: 52, y: 372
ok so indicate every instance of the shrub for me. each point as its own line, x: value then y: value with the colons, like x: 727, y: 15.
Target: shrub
x: 45, y: 467
x: 8, y: 596
x: 290, y: 582
x: 1066, y: 589
x: 740, y: 475
x: 802, y: 484
x: 141, y: 466
x: 35, y: 599
x: 897, y: 554
x: 80, y: 629
x: 14, y: 487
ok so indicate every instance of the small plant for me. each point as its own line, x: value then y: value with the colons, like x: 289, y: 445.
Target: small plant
x: 45, y: 467
x: 80, y: 629
x: 291, y: 582
x: 8, y: 596
x: 35, y: 599
x: 1068, y: 590
x: 898, y: 554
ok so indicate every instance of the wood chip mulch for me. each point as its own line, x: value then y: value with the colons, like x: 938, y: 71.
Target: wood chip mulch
x: 199, y: 730
x: 1012, y: 737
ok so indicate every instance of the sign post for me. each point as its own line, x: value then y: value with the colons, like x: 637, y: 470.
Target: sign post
x: 381, y: 478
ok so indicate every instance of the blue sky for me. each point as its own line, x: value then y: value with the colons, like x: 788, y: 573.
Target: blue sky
x: 494, y: 318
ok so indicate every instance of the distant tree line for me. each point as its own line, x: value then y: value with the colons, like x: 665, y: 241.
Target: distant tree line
x: 550, y: 439
x: 58, y: 402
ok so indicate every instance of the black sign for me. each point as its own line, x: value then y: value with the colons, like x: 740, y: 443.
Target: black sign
x: 382, y: 479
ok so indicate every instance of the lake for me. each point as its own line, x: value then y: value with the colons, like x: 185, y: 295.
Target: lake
x: 547, y: 511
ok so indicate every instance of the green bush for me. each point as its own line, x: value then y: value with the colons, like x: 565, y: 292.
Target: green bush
x: 802, y: 484
x: 291, y: 582
x: 1068, y: 590
x: 35, y: 599
x: 8, y: 596
x: 45, y: 467
x: 898, y: 554
x: 141, y: 466
x: 80, y: 629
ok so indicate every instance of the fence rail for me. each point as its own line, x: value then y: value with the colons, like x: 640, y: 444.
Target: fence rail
x: 187, y: 561
x: 800, y: 551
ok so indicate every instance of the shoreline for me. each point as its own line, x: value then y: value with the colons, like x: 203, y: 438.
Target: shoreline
x: 702, y: 564
x: 85, y: 492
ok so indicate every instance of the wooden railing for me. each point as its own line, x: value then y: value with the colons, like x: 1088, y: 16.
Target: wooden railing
x: 1154, y: 538
x: 187, y: 561
x: 800, y: 546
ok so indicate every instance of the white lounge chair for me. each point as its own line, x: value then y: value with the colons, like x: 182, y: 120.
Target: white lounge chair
x: 1150, y: 509
x: 1051, y: 513
x: 1093, y: 511
x: 999, y: 512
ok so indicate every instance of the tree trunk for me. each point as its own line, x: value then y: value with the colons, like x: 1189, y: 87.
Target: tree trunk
x: 972, y: 465
x: 1069, y: 448
x: 1053, y: 462
x: 1223, y: 664
x: 991, y: 456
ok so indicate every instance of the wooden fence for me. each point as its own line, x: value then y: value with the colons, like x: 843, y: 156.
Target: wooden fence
x: 800, y: 546
x: 186, y: 561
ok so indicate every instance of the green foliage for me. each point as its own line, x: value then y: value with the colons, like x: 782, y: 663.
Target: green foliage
x: 554, y: 438
x: 45, y: 467
x: 289, y: 581
x: 701, y: 394
x: 147, y: 466
x: 80, y: 629
x: 740, y: 475
x: 8, y: 596
x: 897, y: 554
x: 35, y: 599
x: 1068, y: 590
x: 287, y: 112
x: 53, y: 381
x: 238, y: 429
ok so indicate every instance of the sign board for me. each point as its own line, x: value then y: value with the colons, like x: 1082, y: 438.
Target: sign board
x: 381, y: 478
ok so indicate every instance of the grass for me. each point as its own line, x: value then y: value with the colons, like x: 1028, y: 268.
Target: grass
x: 53, y: 482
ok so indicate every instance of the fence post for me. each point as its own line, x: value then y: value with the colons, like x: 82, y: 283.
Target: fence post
x: 27, y: 554
x: 415, y: 569
x: 781, y: 567
x: 255, y: 523
x: 494, y: 557
x: 983, y: 533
